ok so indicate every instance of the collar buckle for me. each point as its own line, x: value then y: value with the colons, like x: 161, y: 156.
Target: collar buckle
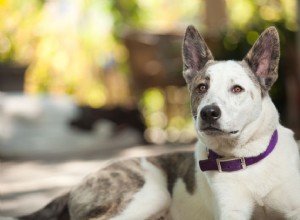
x: 224, y: 160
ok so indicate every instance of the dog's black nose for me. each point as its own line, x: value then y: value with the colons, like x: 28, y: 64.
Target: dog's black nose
x: 210, y: 113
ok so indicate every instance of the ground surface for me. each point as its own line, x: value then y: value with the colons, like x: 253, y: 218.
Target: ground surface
x: 27, y: 185
x: 41, y: 155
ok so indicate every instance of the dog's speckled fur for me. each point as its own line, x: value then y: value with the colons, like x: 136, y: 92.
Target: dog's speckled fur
x: 177, y: 166
x: 106, y: 193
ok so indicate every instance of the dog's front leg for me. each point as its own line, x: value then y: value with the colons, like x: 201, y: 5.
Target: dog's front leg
x: 286, y: 198
x: 233, y: 202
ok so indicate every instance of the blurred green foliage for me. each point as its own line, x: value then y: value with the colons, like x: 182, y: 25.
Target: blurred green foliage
x: 75, y: 47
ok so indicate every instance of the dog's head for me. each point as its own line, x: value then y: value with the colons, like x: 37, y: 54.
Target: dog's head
x: 226, y: 96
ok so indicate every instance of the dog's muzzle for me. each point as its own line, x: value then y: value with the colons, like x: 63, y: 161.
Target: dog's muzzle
x: 209, y: 124
x: 210, y: 113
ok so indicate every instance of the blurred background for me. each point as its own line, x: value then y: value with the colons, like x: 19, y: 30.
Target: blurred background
x: 88, y: 79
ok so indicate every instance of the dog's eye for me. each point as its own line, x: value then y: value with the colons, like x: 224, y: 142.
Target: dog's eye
x: 202, y: 88
x: 237, y: 89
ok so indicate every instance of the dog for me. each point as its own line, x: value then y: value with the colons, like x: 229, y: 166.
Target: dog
x: 245, y: 164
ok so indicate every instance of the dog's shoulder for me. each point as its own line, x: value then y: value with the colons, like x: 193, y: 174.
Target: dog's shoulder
x: 287, y: 143
x: 178, y: 165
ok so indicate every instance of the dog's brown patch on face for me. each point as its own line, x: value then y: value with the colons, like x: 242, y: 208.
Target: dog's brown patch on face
x: 177, y: 165
x: 200, y: 78
x: 107, y: 192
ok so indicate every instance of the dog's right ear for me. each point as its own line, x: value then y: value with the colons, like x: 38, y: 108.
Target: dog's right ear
x: 195, y: 53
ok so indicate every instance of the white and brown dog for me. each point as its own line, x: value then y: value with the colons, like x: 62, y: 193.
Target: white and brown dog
x: 245, y: 166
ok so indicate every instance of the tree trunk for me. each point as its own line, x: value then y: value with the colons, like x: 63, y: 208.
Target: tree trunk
x: 215, y: 16
x: 298, y: 39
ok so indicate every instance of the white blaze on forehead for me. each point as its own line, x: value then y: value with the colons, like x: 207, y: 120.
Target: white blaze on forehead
x: 228, y: 69
x: 227, y: 74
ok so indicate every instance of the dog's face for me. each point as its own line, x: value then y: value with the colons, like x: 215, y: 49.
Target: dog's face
x: 221, y: 104
x: 226, y: 96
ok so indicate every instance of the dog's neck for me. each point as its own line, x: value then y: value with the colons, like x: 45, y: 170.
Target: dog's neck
x: 254, y: 137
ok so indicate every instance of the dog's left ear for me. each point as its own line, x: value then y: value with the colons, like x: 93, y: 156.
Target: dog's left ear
x: 195, y: 53
x: 263, y: 58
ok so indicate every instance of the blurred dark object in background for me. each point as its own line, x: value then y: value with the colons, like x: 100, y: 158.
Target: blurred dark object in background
x: 154, y: 59
x: 122, y: 117
x: 12, y: 77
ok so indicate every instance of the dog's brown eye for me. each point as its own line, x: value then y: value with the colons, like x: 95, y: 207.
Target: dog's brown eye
x: 202, y: 88
x: 237, y: 89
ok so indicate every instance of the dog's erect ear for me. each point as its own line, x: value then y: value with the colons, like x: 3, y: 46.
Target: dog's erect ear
x: 195, y: 53
x: 263, y: 58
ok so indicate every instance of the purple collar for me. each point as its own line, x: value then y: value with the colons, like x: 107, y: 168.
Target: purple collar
x: 217, y: 162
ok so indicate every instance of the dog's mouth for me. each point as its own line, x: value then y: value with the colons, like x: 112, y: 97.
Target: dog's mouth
x: 211, y: 130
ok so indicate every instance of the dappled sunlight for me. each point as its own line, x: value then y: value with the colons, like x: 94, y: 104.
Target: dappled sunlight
x: 167, y: 116
x: 165, y: 15
x: 69, y: 45
x: 243, y: 12
x: 79, y: 48
x: 240, y: 11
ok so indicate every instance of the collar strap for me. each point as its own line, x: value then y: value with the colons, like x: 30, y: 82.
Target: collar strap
x: 217, y: 162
